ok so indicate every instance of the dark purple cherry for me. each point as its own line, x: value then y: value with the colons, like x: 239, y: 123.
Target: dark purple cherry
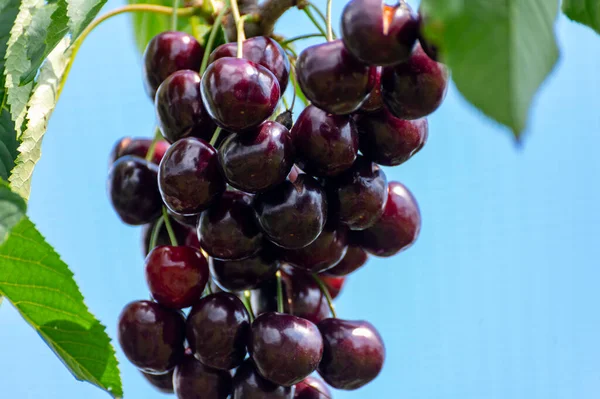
x: 358, y: 196
x: 388, y: 140
x: 377, y: 33
x: 332, y: 79
x: 292, y: 215
x: 259, y: 159
x: 246, y: 274
x: 218, y: 329
x: 239, y: 94
x: 415, y: 88
x: 398, y: 227
x: 179, y: 108
x: 181, y: 233
x: 285, y: 348
x: 138, y: 147
x: 176, y: 276
x: 189, y: 221
x: 354, y: 259
x: 152, y: 336
x: 325, y: 144
x: 133, y: 190
x: 162, y: 382
x: 248, y: 384
x: 261, y: 50
x: 189, y: 176
x: 374, y: 101
x: 228, y: 229
x: 354, y: 353
x: 312, y: 388
x: 334, y: 285
x: 167, y: 53
x: 193, y: 380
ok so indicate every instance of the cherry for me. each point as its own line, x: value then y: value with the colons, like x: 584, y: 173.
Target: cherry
x: 398, y: 227
x: 248, y: 384
x: 358, y: 195
x: 246, y: 274
x: 163, y: 235
x: 388, y: 140
x: 285, y: 348
x: 257, y: 160
x: 261, y: 50
x: 217, y: 330
x: 379, y: 34
x: 294, y: 173
x: 374, y: 101
x: 430, y: 49
x: 415, y: 88
x: 292, y: 215
x: 176, y: 276
x: 138, y: 147
x: 152, y: 336
x: 162, y: 382
x: 354, y: 259
x: 332, y: 79
x: 353, y: 353
x: 133, y: 190
x: 179, y: 108
x: 193, y: 380
x: 325, y: 144
x: 189, y: 221
x: 239, y: 94
x: 312, y: 388
x: 189, y: 176
x: 167, y: 53
x: 334, y: 285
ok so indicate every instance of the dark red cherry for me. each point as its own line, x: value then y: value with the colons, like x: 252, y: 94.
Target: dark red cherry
x: 176, y: 276
x: 248, y: 384
x: 388, y: 140
x: 312, y: 388
x: 189, y: 176
x: 138, y: 147
x: 292, y: 215
x: 162, y: 382
x: 415, y: 88
x: 228, y: 229
x: 193, y: 380
x: 398, y: 227
x: 133, y: 190
x: 239, y: 94
x: 167, y: 53
x: 260, y: 50
x: 358, y: 196
x: 285, y: 348
x: 354, y: 353
x: 377, y: 33
x: 190, y: 221
x: 259, y: 159
x: 218, y: 329
x: 354, y: 259
x: 191, y: 240
x: 332, y: 79
x: 152, y: 336
x: 181, y: 233
x: 334, y: 284
x: 325, y: 144
x: 179, y: 108
x: 246, y: 274
x: 374, y: 101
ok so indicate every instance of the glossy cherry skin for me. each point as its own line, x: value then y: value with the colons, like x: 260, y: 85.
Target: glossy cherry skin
x: 388, y: 140
x: 285, y: 348
x: 246, y: 274
x: 239, y: 94
x: 355, y: 258
x: 354, y: 353
x: 259, y: 159
x: 218, y: 328
x: 176, y: 276
x: 325, y: 144
x: 357, y: 196
x: 189, y: 176
x: 312, y: 388
x: 374, y: 101
x: 292, y: 215
x: 261, y: 50
x: 334, y: 284
x: 398, y: 227
x: 133, y: 190
x: 323, y: 253
x: 332, y: 79
x: 138, y: 147
x: 167, y: 53
x: 248, y: 384
x: 163, y: 235
x: 415, y: 88
x: 179, y: 109
x: 162, y: 382
x: 152, y: 336
x: 377, y: 33
x: 194, y: 380
x: 189, y: 221
x: 294, y: 173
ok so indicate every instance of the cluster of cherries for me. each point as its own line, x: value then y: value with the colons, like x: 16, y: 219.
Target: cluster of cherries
x: 272, y: 214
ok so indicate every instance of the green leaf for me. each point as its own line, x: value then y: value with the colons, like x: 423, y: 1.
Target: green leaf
x: 39, y: 110
x: 586, y: 12
x: 12, y: 210
x: 8, y: 144
x: 500, y: 51
x: 81, y: 14
x: 41, y: 287
x: 8, y: 13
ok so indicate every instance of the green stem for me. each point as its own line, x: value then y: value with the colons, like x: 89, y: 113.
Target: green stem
x: 239, y: 26
x: 155, y: 139
x: 248, y: 304
x: 310, y: 16
x: 215, y: 136
x: 325, y: 292
x: 174, y: 15
x: 155, y: 233
x: 209, y: 288
x: 329, y: 28
x: 285, y: 102
x: 297, y: 92
x: 323, y: 17
x: 170, y: 230
x: 301, y: 37
x: 211, y: 39
x: 279, y: 292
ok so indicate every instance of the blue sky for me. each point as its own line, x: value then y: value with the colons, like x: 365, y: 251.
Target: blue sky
x: 498, y: 299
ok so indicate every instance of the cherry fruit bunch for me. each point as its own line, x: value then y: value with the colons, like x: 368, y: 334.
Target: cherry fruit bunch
x: 272, y: 215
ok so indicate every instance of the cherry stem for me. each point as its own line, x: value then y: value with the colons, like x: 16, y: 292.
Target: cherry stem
x: 211, y: 39
x: 325, y: 292
x: 301, y: 37
x: 155, y: 232
x: 155, y: 139
x: 279, y: 292
x: 310, y: 16
x: 297, y: 92
x: 323, y: 17
x: 239, y: 25
x: 209, y: 288
x: 329, y: 28
x: 215, y: 136
x: 169, y: 227
x: 174, y: 15
x: 249, y: 305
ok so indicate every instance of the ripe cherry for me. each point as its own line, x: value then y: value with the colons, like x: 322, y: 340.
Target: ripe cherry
x: 246, y: 274
x: 334, y: 284
x: 162, y: 382
x: 163, y: 236
x: 138, y: 147
x: 374, y: 102
x: 193, y: 380
x: 355, y: 258
x: 312, y: 388
x: 248, y: 384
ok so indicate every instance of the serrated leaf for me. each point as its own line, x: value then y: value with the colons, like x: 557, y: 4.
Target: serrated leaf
x: 8, y: 144
x: 8, y: 13
x: 586, y: 12
x: 81, y: 13
x: 12, y: 210
x: 500, y: 51
x: 41, y: 287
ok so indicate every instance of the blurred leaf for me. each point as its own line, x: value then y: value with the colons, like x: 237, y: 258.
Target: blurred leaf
x: 12, y: 210
x: 81, y: 13
x: 586, y: 12
x: 221, y: 38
